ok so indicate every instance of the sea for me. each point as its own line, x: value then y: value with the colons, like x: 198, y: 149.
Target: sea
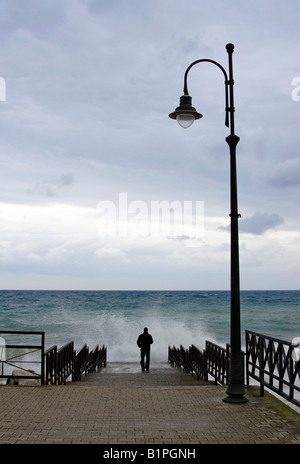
x: 116, y: 318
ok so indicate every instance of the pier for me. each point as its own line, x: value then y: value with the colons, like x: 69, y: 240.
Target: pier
x: 119, y: 404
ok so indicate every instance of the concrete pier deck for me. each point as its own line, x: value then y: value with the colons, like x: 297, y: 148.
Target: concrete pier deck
x: 122, y: 405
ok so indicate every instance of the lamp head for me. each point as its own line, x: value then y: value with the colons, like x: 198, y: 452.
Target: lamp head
x: 185, y: 113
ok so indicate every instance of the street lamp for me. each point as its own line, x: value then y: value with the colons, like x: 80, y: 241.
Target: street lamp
x: 186, y: 114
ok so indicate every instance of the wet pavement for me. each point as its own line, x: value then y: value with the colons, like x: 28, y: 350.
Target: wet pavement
x: 122, y: 405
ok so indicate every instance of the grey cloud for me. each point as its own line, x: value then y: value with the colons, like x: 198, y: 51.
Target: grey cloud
x: 65, y: 180
x: 287, y: 174
x: 48, y: 189
x: 179, y: 237
x: 41, y: 188
x: 259, y: 223
x: 40, y: 17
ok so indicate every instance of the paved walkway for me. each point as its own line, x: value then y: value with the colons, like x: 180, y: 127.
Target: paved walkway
x: 122, y: 405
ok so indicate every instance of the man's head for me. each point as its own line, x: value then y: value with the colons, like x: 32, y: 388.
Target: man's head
x: 145, y: 329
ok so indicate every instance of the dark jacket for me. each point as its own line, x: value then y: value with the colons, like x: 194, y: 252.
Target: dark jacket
x: 144, y: 341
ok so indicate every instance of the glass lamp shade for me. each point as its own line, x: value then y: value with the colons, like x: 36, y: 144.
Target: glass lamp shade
x: 185, y: 113
x: 185, y: 120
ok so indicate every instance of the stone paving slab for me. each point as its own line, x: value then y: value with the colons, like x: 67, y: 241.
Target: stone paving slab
x: 121, y: 405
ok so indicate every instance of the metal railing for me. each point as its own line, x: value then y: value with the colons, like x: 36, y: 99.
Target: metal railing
x: 81, y: 363
x: 59, y: 364
x: 198, y: 362
x: 271, y: 362
x: 14, y: 356
x: 268, y: 360
x: 53, y: 366
x: 217, y: 362
x: 50, y: 366
x: 66, y: 363
x: 213, y: 361
x: 174, y: 357
x: 86, y: 361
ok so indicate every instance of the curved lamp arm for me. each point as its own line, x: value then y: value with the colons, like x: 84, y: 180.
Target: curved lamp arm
x: 185, y: 89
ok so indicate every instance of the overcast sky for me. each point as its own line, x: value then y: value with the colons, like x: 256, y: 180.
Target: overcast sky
x: 87, y: 148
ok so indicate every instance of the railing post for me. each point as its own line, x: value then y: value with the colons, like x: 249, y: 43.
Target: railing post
x: 227, y: 361
x: 247, y: 357
x: 261, y: 367
x: 43, y: 360
x: 205, y: 377
x: 291, y: 372
x: 280, y: 352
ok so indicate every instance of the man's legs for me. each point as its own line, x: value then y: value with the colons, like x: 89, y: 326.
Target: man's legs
x: 142, y: 360
x: 143, y: 355
x: 147, y: 360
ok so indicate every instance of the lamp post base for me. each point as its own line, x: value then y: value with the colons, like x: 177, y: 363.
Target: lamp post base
x: 235, y: 399
x: 235, y: 395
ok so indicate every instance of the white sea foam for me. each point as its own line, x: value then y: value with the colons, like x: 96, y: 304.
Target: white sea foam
x: 119, y: 334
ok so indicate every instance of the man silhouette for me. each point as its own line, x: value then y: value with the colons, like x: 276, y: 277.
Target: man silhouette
x: 144, y: 341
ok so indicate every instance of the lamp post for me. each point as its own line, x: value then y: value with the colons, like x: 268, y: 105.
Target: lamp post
x: 186, y: 114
